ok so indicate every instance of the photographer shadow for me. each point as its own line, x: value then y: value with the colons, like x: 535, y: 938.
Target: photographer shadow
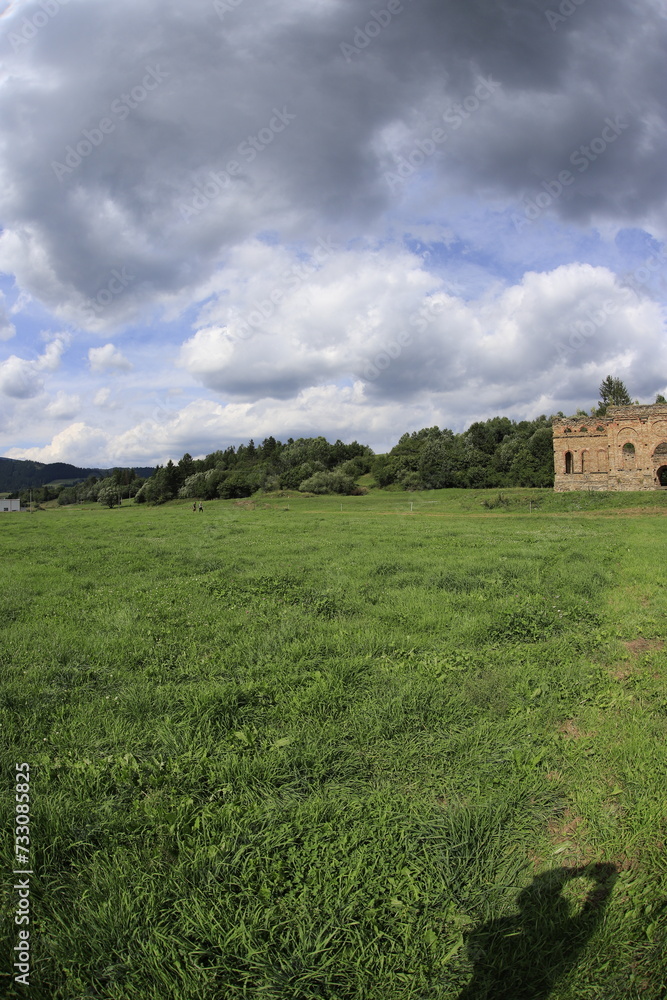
x: 522, y: 957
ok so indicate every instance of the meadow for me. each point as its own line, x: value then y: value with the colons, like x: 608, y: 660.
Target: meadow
x: 392, y: 747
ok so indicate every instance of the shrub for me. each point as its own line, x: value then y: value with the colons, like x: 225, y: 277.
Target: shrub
x: 329, y: 482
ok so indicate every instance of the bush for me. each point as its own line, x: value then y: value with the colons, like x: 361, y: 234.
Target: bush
x: 194, y: 487
x: 411, y: 481
x: 290, y: 478
x: 237, y: 485
x: 356, y: 467
x: 500, y: 501
x: 108, y: 496
x: 329, y: 482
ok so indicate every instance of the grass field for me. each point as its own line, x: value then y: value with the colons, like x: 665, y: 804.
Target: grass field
x: 331, y: 749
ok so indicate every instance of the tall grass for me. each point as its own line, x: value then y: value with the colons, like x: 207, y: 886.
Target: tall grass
x: 289, y: 751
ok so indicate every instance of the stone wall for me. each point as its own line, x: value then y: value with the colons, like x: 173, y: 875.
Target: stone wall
x: 624, y: 450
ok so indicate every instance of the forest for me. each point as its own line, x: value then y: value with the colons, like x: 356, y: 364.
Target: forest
x: 496, y: 452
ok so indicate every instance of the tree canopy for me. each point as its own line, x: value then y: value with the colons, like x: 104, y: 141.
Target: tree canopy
x: 613, y: 392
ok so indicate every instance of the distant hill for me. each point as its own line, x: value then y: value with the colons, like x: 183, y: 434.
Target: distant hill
x: 17, y: 474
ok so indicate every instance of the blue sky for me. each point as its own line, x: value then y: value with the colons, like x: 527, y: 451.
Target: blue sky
x: 299, y: 217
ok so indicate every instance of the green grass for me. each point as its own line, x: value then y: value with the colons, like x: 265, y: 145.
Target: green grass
x: 286, y: 750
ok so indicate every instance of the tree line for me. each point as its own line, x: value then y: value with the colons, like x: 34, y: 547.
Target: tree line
x: 495, y: 452
x: 312, y: 465
x: 498, y: 452
x: 109, y: 490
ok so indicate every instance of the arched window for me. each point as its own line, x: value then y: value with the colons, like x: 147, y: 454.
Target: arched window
x: 568, y: 462
x: 629, y: 456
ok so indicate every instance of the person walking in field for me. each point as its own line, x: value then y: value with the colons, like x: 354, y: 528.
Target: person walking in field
x: 194, y: 506
x: 201, y: 507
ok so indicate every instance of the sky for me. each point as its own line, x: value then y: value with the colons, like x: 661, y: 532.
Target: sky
x: 229, y: 219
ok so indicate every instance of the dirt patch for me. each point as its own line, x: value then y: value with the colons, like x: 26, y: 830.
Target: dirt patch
x: 563, y: 834
x: 565, y: 829
x: 631, y: 511
x: 623, y: 863
x: 636, y: 647
x: 570, y: 730
x: 535, y: 859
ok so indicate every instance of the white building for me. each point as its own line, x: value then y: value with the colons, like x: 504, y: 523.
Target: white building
x: 6, y: 505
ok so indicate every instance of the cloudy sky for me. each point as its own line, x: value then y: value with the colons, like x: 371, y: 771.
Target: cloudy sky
x: 225, y: 219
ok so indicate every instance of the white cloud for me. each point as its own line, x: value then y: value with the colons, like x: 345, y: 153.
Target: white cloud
x: 77, y: 444
x: 107, y: 359
x: 7, y: 328
x: 101, y: 397
x: 381, y: 316
x: 64, y: 406
x: 21, y: 378
x: 280, y: 323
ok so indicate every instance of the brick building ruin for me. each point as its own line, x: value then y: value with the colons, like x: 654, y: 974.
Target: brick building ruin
x: 624, y: 450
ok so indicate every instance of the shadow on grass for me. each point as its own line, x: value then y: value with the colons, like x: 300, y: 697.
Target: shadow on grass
x: 522, y: 957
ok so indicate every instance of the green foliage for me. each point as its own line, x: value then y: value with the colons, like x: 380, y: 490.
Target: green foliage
x: 243, y: 471
x: 18, y: 474
x: 493, y: 503
x: 329, y: 482
x: 108, y: 496
x: 293, y: 476
x: 497, y: 452
x: 613, y: 392
x: 238, y: 484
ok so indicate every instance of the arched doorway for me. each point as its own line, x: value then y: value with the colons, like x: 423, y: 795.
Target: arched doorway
x: 568, y: 462
x: 660, y: 463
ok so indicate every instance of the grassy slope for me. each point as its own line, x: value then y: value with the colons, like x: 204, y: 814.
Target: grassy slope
x: 299, y: 752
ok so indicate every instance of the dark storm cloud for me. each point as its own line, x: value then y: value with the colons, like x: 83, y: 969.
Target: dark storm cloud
x: 144, y: 196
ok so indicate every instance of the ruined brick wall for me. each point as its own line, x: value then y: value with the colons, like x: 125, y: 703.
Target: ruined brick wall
x: 624, y: 450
